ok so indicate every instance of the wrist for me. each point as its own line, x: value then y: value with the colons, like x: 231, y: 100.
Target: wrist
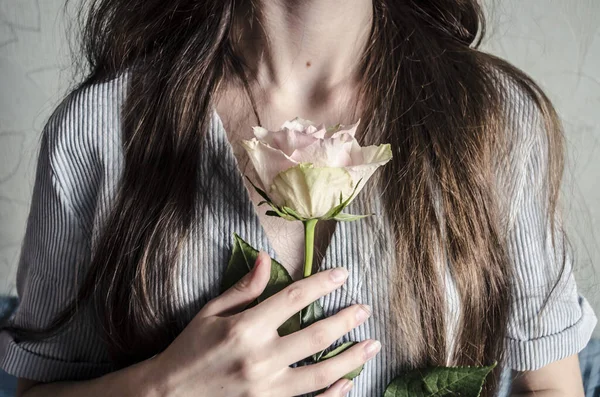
x: 150, y: 379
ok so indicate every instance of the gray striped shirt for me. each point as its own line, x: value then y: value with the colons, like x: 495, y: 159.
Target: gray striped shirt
x: 80, y: 163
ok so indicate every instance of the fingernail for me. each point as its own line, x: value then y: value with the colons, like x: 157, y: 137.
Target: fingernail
x: 347, y: 386
x: 372, y: 348
x: 363, y: 312
x: 338, y: 274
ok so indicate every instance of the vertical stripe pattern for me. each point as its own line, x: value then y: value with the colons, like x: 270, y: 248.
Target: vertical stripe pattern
x: 79, y: 165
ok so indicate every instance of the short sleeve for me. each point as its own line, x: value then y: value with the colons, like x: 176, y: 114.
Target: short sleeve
x: 54, y: 255
x: 549, y: 320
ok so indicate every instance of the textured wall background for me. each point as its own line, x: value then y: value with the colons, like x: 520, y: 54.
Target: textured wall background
x: 556, y: 41
x: 34, y: 72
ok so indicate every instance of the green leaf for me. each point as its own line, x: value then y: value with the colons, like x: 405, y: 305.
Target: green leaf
x: 241, y: 262
x: 312, y: 313
x: 439, y: 382
x: 341, y: 348
x: 349, y: 217
x: 260, y: 191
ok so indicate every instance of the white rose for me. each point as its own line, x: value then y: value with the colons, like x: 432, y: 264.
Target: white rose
x: 311, y: 169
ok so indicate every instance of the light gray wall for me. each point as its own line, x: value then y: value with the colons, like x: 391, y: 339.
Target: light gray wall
x: 556, y: 41
x: 34, y: 71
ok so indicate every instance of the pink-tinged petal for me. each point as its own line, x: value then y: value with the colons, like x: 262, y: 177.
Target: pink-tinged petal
x: 375, y: 157
x: 346, y: 129
x: 313, y: 129
x: 267, y: 161
x: 307, y: 167
x: 356, y: 153
x: 293, y: 140
x: 297, y: 124
x: 285, y: 140
x: 311, y: 191
x: 325, y: 153
x: 260, y: 133
x: 318, y: 132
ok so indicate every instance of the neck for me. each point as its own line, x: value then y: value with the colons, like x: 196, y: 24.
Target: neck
x: 303, y: 47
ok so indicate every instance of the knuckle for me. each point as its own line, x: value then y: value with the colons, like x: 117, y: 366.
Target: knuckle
x: 209, y: 307
x: 212, y: 321
x: 248, y: 369
x: 295, y: 293
x: 246, y: 286
x: 322, y: 378
x: 243, y: 285
x: 319, y: 338
x: 325, y: 282
x: 254, y: 289
x: 350, y: 322
x: 236, y: 330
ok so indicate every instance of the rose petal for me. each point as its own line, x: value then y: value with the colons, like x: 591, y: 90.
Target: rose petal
x: 267, y: 161
x: 289, y: 141
x: 306, y: 167
x: 374, y: 157
x: 356, y: 153
x: 325, y: 153
x: 260, y: 132
x: 347, y: 129
x: 319, y: 132
x: 285, y: 140
x: 311, y: 191
x: 377, y: 153
x: 297, y: 124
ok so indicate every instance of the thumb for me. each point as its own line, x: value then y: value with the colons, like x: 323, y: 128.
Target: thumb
x: 244, y: 291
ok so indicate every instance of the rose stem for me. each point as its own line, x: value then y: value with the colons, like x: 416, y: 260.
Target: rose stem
x: 309, y: 243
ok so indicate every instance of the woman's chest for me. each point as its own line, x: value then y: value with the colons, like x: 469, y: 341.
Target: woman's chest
x: 286, y: 238
x: 225, y: 207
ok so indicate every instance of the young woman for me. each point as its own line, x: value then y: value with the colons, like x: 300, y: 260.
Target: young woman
x: 140, y: 185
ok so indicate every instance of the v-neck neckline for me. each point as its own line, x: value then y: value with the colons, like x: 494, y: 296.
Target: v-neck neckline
x: 337, y: 237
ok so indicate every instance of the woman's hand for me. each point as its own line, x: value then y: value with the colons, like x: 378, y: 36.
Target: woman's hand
x: 228, y: 353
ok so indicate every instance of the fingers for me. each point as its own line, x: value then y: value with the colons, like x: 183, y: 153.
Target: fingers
x: 339, y: 388
x: 320, y: 375
x: 276, y: 309
x: 320, y: 335
x: 243, y: 292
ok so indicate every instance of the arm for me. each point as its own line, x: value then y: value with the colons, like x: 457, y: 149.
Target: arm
x: 252, y: 359
x: 133, y: 381
x: 55, y: 248
x: 550, y: 321
x: 560, y: 378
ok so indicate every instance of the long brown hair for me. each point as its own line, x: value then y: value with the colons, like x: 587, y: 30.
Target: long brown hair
x: 427, y: 90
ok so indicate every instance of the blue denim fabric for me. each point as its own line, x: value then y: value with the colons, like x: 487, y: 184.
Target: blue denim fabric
x: 8, y: 383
